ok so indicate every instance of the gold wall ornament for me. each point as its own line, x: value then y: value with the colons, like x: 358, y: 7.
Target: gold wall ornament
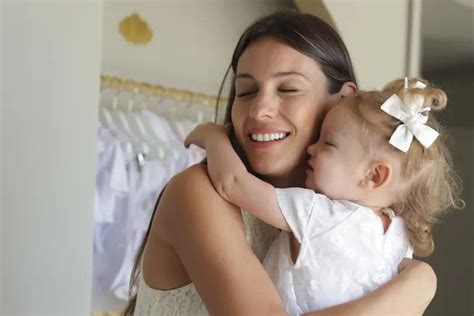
x: 136, y: 30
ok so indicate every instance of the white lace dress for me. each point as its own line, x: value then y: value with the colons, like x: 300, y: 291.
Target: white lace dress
x: 185, y: 301
x: 344, y: 251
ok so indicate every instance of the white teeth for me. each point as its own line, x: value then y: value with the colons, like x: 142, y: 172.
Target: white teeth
x: 267, y: 137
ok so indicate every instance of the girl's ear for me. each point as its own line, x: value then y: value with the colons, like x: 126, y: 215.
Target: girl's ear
x: 347, y: 89
x: 378, y: 175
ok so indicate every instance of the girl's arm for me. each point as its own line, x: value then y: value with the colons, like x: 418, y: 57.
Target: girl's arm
x: 409, y: 293
x: 231, y: 178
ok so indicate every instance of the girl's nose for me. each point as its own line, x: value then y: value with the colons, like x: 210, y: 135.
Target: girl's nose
x: 264, y: 106
x: 312, y: 149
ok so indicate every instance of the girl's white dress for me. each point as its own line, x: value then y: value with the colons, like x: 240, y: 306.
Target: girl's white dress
x: 185, y: 301
x: 344, y: 252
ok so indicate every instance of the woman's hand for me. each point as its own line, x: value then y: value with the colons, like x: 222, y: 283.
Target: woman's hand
x: 205, y: 133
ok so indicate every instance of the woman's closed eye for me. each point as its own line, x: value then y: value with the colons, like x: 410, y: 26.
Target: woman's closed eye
x: 245, y: 93
x: 288, y: 90
x: 249, y: 92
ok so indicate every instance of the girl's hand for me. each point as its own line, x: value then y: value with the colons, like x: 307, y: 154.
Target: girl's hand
x: 204, y: 133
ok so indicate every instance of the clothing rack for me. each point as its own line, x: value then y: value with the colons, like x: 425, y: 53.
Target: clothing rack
x: 141, y: 132
x: 187, y: 96
x: 107, y: 314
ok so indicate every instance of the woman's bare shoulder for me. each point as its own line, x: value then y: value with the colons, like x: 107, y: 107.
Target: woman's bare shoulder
x: 190, y: 195
x: 197, y: 172
x: 193, y: 181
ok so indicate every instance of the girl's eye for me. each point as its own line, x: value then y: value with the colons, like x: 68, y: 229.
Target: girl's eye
x: 329, y: 144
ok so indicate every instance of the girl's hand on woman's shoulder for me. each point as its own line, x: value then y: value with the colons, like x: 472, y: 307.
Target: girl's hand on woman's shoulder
x: 204, y: 133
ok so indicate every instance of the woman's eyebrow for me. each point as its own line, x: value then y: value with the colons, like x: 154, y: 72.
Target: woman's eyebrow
x: 244, y: 76
x: 290, y: 73
x: 277, y: 74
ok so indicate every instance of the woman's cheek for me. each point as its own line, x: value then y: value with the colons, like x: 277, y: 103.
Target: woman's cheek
x: 311, y: 119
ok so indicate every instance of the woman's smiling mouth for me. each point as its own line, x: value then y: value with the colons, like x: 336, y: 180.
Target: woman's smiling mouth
x: 266, y: 137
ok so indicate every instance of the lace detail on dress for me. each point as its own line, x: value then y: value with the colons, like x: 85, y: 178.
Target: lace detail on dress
x: 259, y: 234
x: 185, y: 301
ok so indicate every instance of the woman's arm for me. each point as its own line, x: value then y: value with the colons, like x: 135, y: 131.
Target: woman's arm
x: 231, y: 179
x: 409, y: 293
x: 208, y: 235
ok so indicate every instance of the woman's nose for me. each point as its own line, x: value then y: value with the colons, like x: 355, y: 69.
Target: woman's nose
x: 264, y: 106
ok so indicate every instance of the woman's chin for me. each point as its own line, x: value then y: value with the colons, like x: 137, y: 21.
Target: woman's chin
x: 269, y: 168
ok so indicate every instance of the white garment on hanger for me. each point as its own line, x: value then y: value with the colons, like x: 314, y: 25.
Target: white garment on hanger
x: 145, y: 182
x: 112, y: 188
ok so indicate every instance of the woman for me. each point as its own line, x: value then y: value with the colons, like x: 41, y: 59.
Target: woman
x: 288, y: 69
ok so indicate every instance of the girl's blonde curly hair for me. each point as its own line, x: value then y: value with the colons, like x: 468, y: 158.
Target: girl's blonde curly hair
x: 430, y: 186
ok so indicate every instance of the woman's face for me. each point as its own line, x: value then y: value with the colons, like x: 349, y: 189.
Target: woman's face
x: 281, y: 98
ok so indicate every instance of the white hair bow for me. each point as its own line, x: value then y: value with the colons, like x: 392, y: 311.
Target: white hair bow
x: 410, y: 113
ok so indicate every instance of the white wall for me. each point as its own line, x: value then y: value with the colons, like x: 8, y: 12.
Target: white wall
x: 192, y: 40
x: 375, y: 33
x: 1, y: 178
x: 50, y: 68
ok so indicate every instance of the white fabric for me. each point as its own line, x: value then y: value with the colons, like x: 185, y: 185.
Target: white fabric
x: 111, y: 176
x: 410, y: 113
x: 418, y: 84
x: 126, y: 191
x: 185, y: 301
x: 146, y: 182
x: 344, y: 252
x: 112, y: 188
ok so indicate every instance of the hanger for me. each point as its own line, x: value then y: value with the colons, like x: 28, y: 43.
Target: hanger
x: 166, y: 109
x: 104, y: 114
x: 161, y: 150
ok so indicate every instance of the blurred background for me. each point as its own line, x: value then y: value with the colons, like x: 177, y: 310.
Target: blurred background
x: 97, y: 96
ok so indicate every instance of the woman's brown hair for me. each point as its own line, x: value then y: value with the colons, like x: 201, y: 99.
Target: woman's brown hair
x: 306, y: 33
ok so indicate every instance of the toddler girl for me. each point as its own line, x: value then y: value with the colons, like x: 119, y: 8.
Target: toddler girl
x: 377, y: 179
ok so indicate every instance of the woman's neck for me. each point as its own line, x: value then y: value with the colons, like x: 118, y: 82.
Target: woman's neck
x: 295, y: 178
